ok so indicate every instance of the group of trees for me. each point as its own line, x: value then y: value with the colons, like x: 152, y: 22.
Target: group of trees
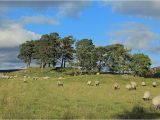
x: 53, y: 50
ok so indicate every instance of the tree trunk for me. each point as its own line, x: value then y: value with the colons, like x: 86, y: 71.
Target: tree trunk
x: 99, y: 69
x: 49, y: 65
x: 42, y: 66
x: 29, y: 63
x: 62, y: 63
x: 27, y: 66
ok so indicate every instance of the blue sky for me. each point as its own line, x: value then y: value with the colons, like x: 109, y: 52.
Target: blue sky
x: 132, y: 23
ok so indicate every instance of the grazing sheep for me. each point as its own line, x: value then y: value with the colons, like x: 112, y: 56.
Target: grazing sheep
x: 5, y: 77
x: 154, y: 84
x: 98, y: 73
x: 143, y: 84
x: 89, y: 83
x: 129, y: 87
x: 24, y: 79
x: 60, y: 78
x: 15, y: 76
x: 46, y: 78
x: 156, y: 102
x: 134, y: 83
x: 133, y: 87
x: 146, y: 95
x: 35, y: 78
x: 116, y: 86
x: 97, y: 83
x: 59, y: 83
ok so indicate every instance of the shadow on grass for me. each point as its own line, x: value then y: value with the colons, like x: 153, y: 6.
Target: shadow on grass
x: 138, y: 112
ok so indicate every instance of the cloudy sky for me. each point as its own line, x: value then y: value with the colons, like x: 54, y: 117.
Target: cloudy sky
x: 136, y: 24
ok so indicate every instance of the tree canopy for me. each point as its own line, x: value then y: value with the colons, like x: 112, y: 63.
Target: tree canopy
x: 53, y: 50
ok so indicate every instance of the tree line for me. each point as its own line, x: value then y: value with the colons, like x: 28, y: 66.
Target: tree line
x: 51, y: 50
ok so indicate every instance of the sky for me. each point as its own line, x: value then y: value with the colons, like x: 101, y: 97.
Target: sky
x: 136, y: 24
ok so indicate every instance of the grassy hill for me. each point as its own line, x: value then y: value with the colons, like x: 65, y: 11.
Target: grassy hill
x: 44, y: 99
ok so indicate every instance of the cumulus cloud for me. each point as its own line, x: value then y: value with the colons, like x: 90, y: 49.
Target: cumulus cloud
x: 8, y: 58
x: 12, y: 34
x: 73, y: 8
x: 146, y: 9
x: 134, y: 36
x: 63, y: 8
x: 37, y: 20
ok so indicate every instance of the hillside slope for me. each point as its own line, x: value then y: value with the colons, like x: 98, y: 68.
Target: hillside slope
x: 44, y: 99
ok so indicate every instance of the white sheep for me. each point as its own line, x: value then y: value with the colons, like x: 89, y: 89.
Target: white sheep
x: 154, y: 84
x: 97, y: 83
x: 146, y: 95
x: 156, y: 102
x: 89, y: 83
x: 116, y: 86
x: 35, y: 78
x: 24, y: 79
x: 98, y: 73
x: 133, y: 87
x: 129, y: 87
x: 15, y: 76
x: 59, y: 83
x: 134, y: 83
x: 46, y: 78
x: 143, y: 84
x: 60, y: 78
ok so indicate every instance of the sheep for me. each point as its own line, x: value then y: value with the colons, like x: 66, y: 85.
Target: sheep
x: 156, y: 102
x: 89, y: 83
x: 35, y: 78
x: 24, y: 79
x: 46, y: 78
x: 143, y: 84
x: 97, y: 83
x: 146, y: 95
x: 133, y: 87
x: 129, y: 87
x: 59, y: 83
x: 98, y: 73
x: 15, y: 76
x: 60, y: 78
x: 116, y: 86
x: 154, y: 84
x: 134, y: 83
x: 5, y: 77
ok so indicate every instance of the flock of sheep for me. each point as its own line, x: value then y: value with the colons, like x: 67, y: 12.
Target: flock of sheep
x: 147, y: 94
x: 131, y: 86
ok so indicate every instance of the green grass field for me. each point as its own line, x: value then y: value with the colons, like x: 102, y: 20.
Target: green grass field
x: 44, y: 99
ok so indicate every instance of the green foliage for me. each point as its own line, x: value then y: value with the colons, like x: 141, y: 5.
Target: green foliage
x: 51, y: 50
x: 117, y: 58
x: 66, y: 49
x: 46, y: 49
x: 26, y: 52
x: 100, y: 52
x: 86, y: 54
x: 140, y: 64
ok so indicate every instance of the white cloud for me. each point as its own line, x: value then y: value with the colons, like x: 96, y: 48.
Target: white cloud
x: 146, y: 9
x: 9, y: 60
x: 73, y: 8
x: 62, y: 8
x: 12, y: 34
x: 37, y: 20
x: 134, y: 36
